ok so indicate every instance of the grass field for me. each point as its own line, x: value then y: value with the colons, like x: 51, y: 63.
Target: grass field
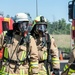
x: 62, y: 41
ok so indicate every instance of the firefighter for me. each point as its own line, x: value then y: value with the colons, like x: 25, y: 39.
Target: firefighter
x: 47, y: 49
x: 21, y: 55
x: 69, y: 68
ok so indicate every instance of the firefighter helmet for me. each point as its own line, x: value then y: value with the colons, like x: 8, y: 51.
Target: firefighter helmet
x: 39, y: 20
x: 21, y: 17
x: 39, y: 23
x: 22, y: 22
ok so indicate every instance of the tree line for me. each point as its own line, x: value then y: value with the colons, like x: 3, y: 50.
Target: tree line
x: 59, y: 27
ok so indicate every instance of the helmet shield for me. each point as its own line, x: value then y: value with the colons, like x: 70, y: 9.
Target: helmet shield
x: 23, y: 26
x: 41, y: 28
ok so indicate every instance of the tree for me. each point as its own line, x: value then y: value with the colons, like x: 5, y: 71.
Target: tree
x: 59, y: 27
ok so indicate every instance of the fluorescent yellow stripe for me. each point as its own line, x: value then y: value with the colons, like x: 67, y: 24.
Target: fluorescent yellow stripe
x: 66, y: 67
x: 55, y: 60
x: 42, y: 73
x: 4, y: 33
x: 17, y: 74
x: 22, y: 72
x: 33, y: 64
x: 13, y: 74
x: 44, y: 55
x: 6, y: 53
x: 2, y: 71
x: 23, y: 55
x: 71, y: 71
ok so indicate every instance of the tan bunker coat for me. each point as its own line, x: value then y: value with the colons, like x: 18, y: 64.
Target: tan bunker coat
x: 43, y: 56
x: 14, y: 55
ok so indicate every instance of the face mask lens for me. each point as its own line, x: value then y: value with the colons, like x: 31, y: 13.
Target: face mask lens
x: 23, y: 26
x: 42, y: 28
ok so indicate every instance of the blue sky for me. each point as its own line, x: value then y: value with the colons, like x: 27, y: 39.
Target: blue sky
x: 52, y: 9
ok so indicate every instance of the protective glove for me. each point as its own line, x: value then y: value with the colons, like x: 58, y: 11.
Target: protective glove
x: 56, y: 72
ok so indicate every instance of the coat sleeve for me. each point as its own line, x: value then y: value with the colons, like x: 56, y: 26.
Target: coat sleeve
x: 33, y: 57
x: 54, y: 54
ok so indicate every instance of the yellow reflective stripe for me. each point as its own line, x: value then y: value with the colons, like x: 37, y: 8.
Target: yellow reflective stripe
x: 44, y: 68
x: 71, y: 71
x: 66, y: 67
x: 13, y: 74
x: 42, y: 73
x: 2, y: 71
x: 17, y: 74
x: 22, y: 72
x: 23, y: 55
x: 33, y: 24
x: 55, y: 60
x: 4, y: 33
x: 6, y: 53
x: 44, y: 55
x: 33, y: 64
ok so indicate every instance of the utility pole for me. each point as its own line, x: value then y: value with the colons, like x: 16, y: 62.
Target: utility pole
x: 36, y: 7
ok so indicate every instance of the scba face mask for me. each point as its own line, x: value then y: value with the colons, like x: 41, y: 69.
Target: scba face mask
x: 41, y: 28
x: 23, y: 27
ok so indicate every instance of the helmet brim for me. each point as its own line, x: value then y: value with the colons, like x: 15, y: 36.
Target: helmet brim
x: 18, y: 20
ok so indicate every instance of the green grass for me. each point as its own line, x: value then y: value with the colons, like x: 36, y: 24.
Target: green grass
x: 62, y: 41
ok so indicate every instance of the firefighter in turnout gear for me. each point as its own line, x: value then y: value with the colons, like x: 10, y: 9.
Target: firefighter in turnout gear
x: 69, y: 68
x: 47, y: 49
x: 21, y: 54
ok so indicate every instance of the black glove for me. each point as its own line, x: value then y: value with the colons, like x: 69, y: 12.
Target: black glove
x: 56, y: 72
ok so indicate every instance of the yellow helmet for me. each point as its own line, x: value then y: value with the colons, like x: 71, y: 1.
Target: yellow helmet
x: 39, y: 20
x: 39, y: 25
